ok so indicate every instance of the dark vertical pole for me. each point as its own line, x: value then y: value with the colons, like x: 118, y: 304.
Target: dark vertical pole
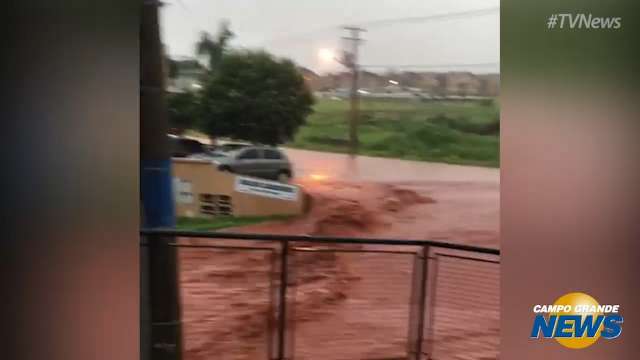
x: 155, y: 160
x: 422, y: 300
x: 145, y: 304
x: 282, y: 312
x: 355, y: 102
x: 351, y: 61
x: 156, y: 195
x: 166, y: 337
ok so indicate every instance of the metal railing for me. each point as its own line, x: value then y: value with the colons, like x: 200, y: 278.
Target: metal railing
x: 429, y: 319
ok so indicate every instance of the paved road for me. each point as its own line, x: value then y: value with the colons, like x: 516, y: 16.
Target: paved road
x: 364, y: 168
x: 465, y: 206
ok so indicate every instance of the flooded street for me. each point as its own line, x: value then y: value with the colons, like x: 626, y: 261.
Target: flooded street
x: 355, y: 305
x: 466, y: 199
x: 374, y: 169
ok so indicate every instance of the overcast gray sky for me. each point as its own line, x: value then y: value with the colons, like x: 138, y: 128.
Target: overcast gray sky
x: 298, y: 29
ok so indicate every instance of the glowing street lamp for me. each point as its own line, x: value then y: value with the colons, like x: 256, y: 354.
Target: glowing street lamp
x: 327, y: 55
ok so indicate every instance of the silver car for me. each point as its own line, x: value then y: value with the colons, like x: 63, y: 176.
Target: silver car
x: 258, y: 161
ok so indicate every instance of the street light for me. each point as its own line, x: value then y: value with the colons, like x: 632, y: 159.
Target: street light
x: 327, y: 55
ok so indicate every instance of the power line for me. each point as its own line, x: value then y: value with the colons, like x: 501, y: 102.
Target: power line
x: 426, y: 66
x: 186, y: 9
x: 419, y: 19
x: 183, y: 5
x: 304, y: 36
x: 300, y: 37
x: 385, y: 22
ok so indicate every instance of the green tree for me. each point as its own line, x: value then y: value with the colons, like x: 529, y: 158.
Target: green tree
x: 183, y: 111
x: 213, y: 47
x: 255, y: 97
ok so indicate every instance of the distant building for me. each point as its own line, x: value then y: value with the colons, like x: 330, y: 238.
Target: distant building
x: 462, y: 83
x: 184, y: 75
x: 427, y: 82
x: 335, y: 81
x: 343, y: 80
x: 490, y: 84
x: 311, y: 78
x: 453, y: 83
x: 371, y: 81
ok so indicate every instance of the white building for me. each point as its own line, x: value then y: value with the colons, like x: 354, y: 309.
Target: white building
x: 186, y: 77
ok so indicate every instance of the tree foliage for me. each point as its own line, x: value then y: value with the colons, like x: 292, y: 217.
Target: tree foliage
x: 255, y: 97
x: 213, y: 47
x: 183, y: 110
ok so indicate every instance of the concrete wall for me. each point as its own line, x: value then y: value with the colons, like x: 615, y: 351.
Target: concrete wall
x: 201, y: 190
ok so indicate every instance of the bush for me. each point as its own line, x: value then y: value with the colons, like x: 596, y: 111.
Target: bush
x: 463, y: 124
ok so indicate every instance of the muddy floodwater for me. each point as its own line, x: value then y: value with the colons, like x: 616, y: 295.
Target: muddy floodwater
x: 351, y: 305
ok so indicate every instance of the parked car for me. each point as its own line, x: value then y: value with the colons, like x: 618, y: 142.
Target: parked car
x: 259, y: 161
x: 182, y: 147
x: 231, y: 146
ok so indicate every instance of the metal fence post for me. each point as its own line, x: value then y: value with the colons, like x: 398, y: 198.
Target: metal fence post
x: 145, y: 302
x: 432, y: 307
x: 273, y: 294
x: 282, y: 308
x: 163, y: 290
x: 422, y: 299
x: 413, y: 304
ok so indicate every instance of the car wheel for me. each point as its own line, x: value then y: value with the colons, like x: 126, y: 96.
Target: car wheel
x: 225, y: 169
x: 284, y: 177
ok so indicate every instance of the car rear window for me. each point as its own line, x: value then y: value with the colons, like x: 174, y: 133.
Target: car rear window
x: 249, y: 154
x: 193, y: 146
x: 272, y: 154
x: 184, y: 147
x: 232, y: 147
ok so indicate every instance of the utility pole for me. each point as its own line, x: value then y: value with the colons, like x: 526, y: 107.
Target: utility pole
x: 350, y: 60
x: 161, y: 337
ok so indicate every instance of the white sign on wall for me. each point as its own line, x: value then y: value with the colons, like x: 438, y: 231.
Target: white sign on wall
x: 266, y: 188
x: 182, y: 191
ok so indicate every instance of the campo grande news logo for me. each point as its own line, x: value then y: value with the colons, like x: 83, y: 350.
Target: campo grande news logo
x: 576, y: 321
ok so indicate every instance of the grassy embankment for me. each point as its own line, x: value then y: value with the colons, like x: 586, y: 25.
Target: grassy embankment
x: 460, y: 132
x: 221, y: 222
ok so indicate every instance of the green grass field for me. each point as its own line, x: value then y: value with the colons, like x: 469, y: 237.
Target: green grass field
x: 221, y: 222
x: 460, y: 132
